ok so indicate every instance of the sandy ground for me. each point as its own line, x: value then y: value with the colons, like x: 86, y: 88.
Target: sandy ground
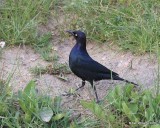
x: 19, y: 60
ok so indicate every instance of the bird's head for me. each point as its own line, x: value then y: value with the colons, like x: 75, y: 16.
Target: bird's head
x: 79, y: 36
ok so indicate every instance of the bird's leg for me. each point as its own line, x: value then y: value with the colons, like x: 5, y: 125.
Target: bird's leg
x: 69, y: 94
x: 83, y: 84
x: 95, y: 91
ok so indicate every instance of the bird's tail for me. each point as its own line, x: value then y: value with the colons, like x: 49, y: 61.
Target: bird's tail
x: 126, y: 81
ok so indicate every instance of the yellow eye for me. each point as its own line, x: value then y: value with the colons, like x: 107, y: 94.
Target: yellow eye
x: 75, y: 34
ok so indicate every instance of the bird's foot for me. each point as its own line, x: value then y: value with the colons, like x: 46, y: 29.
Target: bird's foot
x: 83, y: 84
x: 98, y: 101
x: 137, y: 88
x: 67, y: 94
x: 70, y: 93
x: 81, y: 87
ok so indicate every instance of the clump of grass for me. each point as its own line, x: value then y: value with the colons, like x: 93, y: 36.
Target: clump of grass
x: 45, y: 49
x: 5, y: 93
x: 126, y: 107
x: 55, y: 69
x: 19, y: 20
x: 30, y: 109
x: 133, y: 25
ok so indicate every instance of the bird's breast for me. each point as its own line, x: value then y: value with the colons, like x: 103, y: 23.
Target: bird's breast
x: 72, y: 61
x: 74, y: 58
x: 77, y: 55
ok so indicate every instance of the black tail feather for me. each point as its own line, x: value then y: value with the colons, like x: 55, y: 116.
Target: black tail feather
x: 118, y: 78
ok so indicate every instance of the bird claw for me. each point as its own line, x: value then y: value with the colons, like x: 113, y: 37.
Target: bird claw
x: 67, y: 94
x: 70, y: 93
x: 98, y: 101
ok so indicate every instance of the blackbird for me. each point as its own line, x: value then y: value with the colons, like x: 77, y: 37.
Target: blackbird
x: 83, y: 66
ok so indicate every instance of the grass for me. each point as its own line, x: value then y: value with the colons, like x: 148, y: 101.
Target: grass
x: 45, y: 48
x: 133, y: 25
x: 30, y: 109
x: 19, y: 21
x: 27, y: 108
x: 55, y: 69
x: 126, y: 107
x: 14, y: 30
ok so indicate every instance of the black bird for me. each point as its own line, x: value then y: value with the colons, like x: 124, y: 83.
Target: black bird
x: 85, y: 67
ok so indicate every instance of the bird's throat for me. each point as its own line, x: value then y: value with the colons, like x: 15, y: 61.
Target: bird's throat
x: 81, y: 45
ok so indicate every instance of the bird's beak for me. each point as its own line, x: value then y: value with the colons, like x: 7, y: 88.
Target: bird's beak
x: 70, y: 32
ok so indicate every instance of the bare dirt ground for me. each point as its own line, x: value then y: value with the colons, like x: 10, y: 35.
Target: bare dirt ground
x: 19, y: 60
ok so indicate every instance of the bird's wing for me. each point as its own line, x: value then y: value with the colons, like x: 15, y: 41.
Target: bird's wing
x: 91, y: 65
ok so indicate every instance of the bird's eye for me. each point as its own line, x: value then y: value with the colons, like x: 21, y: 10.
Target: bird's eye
x: 75, y: 35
